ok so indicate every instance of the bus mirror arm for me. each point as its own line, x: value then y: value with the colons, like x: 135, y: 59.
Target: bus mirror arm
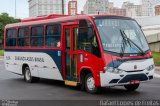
x: 140, y: 26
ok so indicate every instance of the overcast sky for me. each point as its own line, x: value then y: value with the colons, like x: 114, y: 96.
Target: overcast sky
x: 22, y: 6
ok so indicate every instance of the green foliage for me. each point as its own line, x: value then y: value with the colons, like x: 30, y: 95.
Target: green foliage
x: 156, y: 57
x: 4, y: 20
x: 1, y: 52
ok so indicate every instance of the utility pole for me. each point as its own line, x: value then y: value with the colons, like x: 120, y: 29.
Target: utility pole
x: 15, y: 8
x: 62, y: 6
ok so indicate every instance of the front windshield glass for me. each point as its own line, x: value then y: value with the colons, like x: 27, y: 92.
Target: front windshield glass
x: 113, y: 33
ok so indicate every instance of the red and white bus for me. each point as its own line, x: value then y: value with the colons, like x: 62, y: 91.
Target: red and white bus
x: 88, y: 50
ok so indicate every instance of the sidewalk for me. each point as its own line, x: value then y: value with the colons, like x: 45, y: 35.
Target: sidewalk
x: 157, y: 70
x: 1, y: 57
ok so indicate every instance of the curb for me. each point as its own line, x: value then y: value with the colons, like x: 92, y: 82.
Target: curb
x: 156, y: 75
x: 157, y: 68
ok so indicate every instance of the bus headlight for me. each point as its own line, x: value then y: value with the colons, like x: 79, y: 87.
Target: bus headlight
x: 113, y: 70
x: 151, y: 67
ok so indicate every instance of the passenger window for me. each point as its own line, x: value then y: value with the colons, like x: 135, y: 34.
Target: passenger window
x: 23, y: 37
x: 37, y: 37
x: 87, y: 38
x: 53, y: 36
x: 11, y: 37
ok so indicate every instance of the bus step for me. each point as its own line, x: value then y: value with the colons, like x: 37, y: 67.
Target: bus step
x: 70, y: 83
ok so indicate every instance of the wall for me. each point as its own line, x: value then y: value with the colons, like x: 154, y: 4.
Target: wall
x: 154, y: 42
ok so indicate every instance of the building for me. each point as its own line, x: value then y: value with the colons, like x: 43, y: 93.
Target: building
x: 72, y: 7
x: 82, y: 12
x: 157, y: 10
x: 45, y: 7
x: 148, y: 7
x: 117, y: 11
x: 96, y: 7
x: 110, y: 5
x: 132, y: 9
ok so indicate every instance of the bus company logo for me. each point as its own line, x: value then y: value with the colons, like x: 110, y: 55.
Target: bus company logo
x: 135, y: 67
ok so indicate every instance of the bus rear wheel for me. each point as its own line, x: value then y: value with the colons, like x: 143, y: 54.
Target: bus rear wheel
x: 28, y: 77
x: 131, y: 87
x: 90, y: 84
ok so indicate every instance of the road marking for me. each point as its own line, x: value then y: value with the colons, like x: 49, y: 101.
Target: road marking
x: 156, y: 75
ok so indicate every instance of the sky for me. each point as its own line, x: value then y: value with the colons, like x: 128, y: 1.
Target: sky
x: 23, y: 9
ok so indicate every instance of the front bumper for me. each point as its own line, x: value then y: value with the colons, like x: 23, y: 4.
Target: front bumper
x: 112, y: 79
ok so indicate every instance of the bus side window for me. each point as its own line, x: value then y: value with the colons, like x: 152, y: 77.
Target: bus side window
x: 11, y: 37
x: 53, y: 36
x: 23, y: 37
x: 87, y: 38
x: 37, y: 36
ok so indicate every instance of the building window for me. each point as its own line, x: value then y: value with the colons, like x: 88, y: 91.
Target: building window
x: 23, y: 37
x: 73, y: 4
x: 53, y: 36
x: 11, y: 37
x: 37, y: 36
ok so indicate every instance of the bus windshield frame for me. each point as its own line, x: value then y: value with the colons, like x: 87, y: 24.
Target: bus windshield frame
x: 113, y: 40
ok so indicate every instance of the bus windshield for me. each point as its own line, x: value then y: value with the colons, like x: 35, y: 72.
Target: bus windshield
x: 121, y: 36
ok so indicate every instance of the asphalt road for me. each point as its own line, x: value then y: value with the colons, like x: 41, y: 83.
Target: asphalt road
x: 13, y: 87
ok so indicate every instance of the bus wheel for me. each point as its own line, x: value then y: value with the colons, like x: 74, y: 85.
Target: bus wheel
x: 131, y: 87
x: 28, y: 77
x: 90, y: 84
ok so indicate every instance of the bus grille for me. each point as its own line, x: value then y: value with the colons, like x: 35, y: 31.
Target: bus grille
x: 140, y: 77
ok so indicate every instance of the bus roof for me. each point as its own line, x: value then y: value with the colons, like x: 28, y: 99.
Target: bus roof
x: 56, y: 19
x: 44, y: 17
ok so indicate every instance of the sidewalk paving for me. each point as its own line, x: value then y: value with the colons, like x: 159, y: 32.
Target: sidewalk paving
x: 1, y: 57
x: 157, y: 70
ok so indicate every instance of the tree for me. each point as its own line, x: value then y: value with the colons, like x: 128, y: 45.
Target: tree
x: 4, y: 20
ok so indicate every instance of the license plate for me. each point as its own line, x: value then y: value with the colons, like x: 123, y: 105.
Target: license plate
x: 134, y: 82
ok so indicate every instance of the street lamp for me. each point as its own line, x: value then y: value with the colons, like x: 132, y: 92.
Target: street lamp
x: 62, y: 6
x: 15, y: 8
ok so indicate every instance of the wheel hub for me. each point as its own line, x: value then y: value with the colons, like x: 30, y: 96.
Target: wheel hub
x: 28, y: 74
x: 90, y: 83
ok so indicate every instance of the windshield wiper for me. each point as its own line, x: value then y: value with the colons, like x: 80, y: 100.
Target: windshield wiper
x: 126, y: 39
x: 123, y: 46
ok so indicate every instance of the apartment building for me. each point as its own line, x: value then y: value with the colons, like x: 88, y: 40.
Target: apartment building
x: 45, y: 7
x: 96, y: 7
x: 72, y: 7
x: 132, y: 10
x: 117, y: 11
x: 157, y: 9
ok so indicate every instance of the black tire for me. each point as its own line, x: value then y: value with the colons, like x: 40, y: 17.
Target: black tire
x: 92, y: 89
x: 28, y: 77
x: 131, y: 87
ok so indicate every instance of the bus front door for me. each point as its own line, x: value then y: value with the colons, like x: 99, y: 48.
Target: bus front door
x: 71, y: 55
